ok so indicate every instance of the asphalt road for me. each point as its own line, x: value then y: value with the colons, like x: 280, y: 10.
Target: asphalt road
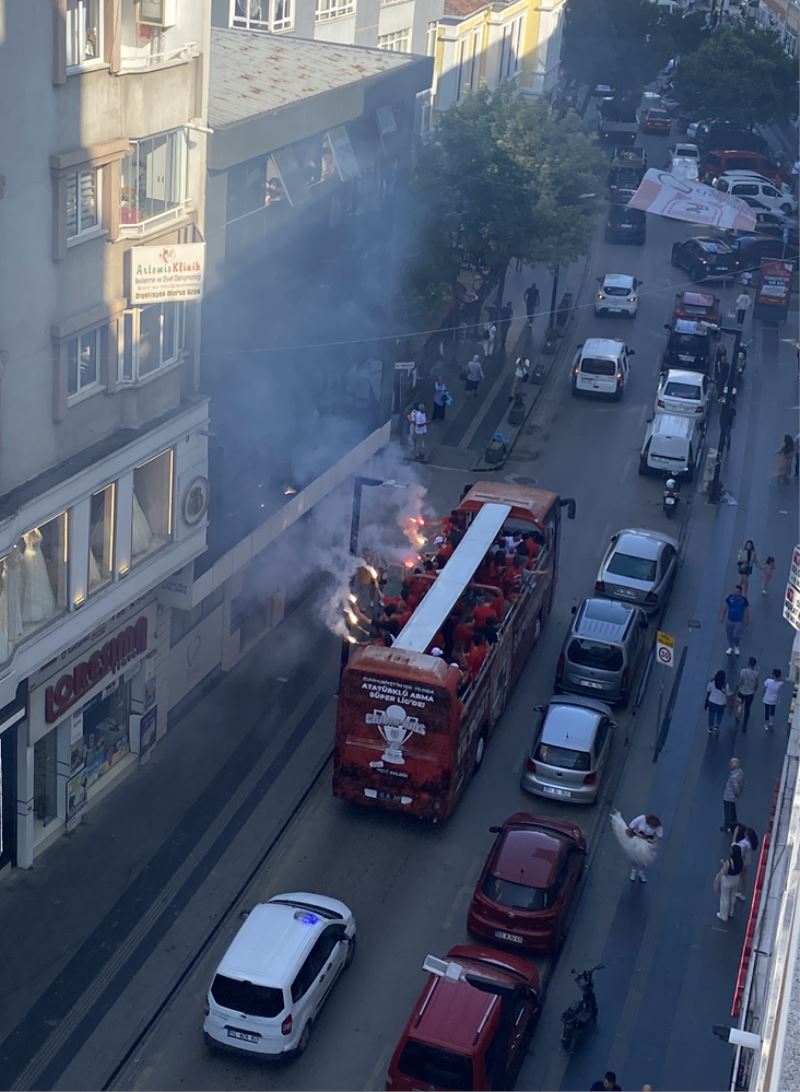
x: 409, y: 884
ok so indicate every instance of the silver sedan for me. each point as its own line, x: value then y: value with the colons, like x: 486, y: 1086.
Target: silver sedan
x: 639, y: 568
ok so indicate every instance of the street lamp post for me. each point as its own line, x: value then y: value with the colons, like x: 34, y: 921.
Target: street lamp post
x: 725, y: 415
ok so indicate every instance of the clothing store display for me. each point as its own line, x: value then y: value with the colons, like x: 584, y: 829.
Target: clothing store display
x: 38, y: 600
x: 142, y: 535
x: 95, y: 576
x: 10, y: 598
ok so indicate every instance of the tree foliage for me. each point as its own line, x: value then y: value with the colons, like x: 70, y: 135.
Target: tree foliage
x: 619, y: 42
x: 739, y: 76
x: 503, y: 178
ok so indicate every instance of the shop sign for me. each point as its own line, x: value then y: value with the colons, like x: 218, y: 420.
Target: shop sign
x: 791, y: 597
x: 106, y: 660
x: 163, y: 274
x: 775, y: 284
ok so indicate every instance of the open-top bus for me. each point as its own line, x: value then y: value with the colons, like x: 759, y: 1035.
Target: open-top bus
x: 411, y: 727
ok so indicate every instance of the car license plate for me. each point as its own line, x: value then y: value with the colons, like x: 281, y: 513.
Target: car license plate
x: 246, y: 1036
x: 515, y: 938
x: 551, y: 790
x: 669, y: 501
x: 594, y: 685
x: 614, y: 310
x: 629, y: 593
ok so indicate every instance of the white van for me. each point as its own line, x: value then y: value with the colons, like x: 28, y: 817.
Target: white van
x: 277, y: 973
x: 755, y: 189
x: 601, y: 366
x: 671, y: 445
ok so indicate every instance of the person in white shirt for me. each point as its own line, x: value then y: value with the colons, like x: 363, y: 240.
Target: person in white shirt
x: 419, y: 430
x: 650, y: 829
x: 743, y: 303
x: 772, y: 687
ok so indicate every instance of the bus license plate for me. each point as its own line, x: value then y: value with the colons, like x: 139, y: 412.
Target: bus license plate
x: 246, y: 1036
x: 515, y: 938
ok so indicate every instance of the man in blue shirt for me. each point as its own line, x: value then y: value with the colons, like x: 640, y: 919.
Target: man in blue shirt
x: 735, y: 614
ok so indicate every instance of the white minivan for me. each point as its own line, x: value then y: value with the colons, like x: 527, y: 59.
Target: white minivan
x: 755, y: 189
x: 277, y: 973
x: 601, y: 366
x: 671, y: 446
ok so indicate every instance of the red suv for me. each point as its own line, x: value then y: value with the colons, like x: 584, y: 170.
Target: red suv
x: 715, y: 163
x: 462, y: 1037
x: 525, y: 891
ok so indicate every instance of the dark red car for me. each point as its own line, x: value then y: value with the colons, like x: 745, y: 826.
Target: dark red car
x: 656, y: 120
x: 456, y: 1037
x: 698, y: 307
x: 525, y: 891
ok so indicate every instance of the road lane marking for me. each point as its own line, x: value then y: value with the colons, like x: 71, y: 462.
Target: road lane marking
x: 627, y: 468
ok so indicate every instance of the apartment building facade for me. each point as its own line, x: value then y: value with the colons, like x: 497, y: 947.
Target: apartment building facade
x: 103, y: 431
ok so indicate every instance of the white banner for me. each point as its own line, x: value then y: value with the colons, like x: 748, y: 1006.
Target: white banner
x: 161, y: 274
x: 665, y: 194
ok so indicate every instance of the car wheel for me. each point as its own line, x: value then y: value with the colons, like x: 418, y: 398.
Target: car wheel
x: 624, y: 699
x: 302, y: 1042
x: 786, y: 209
x: 351, y: 951
x: 696, y: 274
x: 480, y: 749
x: 642, y: 467
x: 674, y: 258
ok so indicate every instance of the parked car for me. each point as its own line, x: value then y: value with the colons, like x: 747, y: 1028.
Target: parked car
x: 683, y: 392
x: 454, y: 1038
x: 602, y: 650
x: 710, y: 135
x: 732, y: 157
x: 750, y: 250
x: 695, y: 306
x: 625, y: 225
x: 764, y: 192
x: 682, y: 151
x: 683, y: 160
x: 569, y: 751
x: 277, y: 973
x: 690, y: 345
x: 671, y: 446
x: 526, y: 889
x: 639, y: 567
x: 655, y: 120
x: 759, y: 178
x: 704, y: 258
x: 601, y: 367
x: 618, y: 294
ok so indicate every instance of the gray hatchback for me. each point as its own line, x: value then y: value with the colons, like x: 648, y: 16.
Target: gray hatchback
x: 602, y: 650
x: 569, y: 751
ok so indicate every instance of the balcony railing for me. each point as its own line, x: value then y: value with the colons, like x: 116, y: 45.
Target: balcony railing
x: 142, y: 61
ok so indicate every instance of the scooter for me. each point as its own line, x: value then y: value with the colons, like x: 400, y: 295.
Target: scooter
x: 669, y: 502
x: 580, y: 1013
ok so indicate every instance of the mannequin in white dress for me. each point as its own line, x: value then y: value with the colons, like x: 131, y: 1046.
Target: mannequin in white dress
x: 38, y: 600
x: 95, y: 576
x: 142, y: 535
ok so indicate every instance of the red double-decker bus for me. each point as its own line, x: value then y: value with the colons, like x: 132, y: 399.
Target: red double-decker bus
x: 411, y: 727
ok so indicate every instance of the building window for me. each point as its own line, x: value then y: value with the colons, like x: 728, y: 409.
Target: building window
x: 154, y: 177
x: 511, y: 49
x: 33, y: 582
x: 262, y: 14
x: 430, y: 39
x: 332, y: 9
x: 82, y: 190
x: 84, y: 32
x: 84, y: 355
x: 153, y: 338
x: 101, y: 537
x: 399, y: 41
x: 152, y: 505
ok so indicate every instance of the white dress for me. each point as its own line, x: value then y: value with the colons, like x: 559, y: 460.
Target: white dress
x: 38, y: 600
x: 95, y: 576
x: 10, y: 605
x: 142, y: 535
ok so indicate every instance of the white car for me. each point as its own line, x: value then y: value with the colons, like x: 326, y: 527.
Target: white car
x: 754, y: 175
x: 683, y: 151
x: 618, y: 294
x: 601, y: 367
x: 684, y: 393
x: 764, y: 192
x: 684, y: 162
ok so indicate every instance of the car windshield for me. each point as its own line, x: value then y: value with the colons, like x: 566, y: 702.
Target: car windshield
x: 564, y: 757
x: 658, y: 115
x: 688, y: 345
x: 518, y: 895
x: 231, y: 993
x: 674, y: 389
x: 695, y: 309
x: 637, y: 568
x: 592, y: 366
x: 616, y: 290
x: 434, y: 1066
x: 590, y: 654
x: 687, y: 153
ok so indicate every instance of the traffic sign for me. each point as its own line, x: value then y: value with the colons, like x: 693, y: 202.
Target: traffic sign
x: 665, y: 648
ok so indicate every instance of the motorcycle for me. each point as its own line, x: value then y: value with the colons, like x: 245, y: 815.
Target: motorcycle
x: 669, y: 502
x: 580, y: 1013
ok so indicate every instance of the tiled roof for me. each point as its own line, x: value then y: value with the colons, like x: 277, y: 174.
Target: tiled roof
x: 460, y: 8
x: 253, y: 73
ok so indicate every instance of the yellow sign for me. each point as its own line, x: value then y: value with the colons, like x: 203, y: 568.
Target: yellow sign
x: 665, y: 649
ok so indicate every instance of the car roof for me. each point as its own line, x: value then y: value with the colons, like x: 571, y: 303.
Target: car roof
x: 642, y: 542
x: 617, y: 280
x: 672, y: 424
x: 602, y: 347
x: 690, y: 326
x: 715, y: 246
x: 570, y: 725
x: 601, y: 619
x: 683, y: 144
x: 681, y: 376
x: 698, y: 299
x: 528, y: 855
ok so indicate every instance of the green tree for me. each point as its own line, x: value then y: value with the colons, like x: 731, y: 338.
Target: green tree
x: 620, y: 42
x: 739, y: 76
x: 502, y: 178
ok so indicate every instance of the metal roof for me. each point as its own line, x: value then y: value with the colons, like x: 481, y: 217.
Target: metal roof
x: 254, y: 73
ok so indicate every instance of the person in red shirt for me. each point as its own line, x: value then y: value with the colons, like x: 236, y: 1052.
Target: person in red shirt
x: 482, y: 612
x: 463, y: 633
x: 475, y: 657
x: 532, y: 547
x: 512, y: 580
x: 446, y: 551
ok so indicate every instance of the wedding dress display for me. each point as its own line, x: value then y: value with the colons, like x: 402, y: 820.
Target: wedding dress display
x: 95, y: 576
x: 142, y: 535
x: 38, y: 600
x: 10, y: 605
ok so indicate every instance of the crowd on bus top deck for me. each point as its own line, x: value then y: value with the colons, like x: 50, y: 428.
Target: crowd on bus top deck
x: 472, y: 626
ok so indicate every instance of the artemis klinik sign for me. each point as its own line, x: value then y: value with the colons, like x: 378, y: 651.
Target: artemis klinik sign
x: 162, y: 274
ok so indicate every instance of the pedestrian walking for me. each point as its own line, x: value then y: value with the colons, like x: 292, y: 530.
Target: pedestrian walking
x: 746, y: 690
x: 716, y: 700
x: 727, y: 882
x: 607, y: 1084
x: 735, y: 614
x: 506, y: 315
x: 767, y: 569
x: 784, y: 457
x: 743, y: 305
x: 747, y: 841
x: 649, y: 828
x: 522, y: 371
x: 531, y: 302
x: 772, y: 688
x: 489, y: 336
x: 746, y: 560
x: 721, y: 369
x: 727, y: 419
x: 440, y: 399
x: 419, y: 430
x: 734, y: 787
x: 473, y: 376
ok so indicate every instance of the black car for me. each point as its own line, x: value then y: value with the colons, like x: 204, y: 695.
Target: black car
x: 720, y: 134
x: 749, y: 250
x: 690, y: 345
x: 625, y: 225
x: 704, y: 258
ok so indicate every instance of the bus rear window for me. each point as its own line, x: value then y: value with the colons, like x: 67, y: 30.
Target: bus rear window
x: 435, y: 1067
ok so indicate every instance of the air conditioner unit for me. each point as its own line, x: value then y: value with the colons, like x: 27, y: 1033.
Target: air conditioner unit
x: 156, y: 13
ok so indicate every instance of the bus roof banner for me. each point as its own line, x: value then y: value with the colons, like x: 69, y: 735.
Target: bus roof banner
x: 431, y: 613
x: 664, y: 194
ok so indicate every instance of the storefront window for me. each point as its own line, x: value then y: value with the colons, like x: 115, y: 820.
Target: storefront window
x: 45, y: 780
x: 152, y: 505
x: 33, y: 582
x: 101, y: 538
x: 98, y: 743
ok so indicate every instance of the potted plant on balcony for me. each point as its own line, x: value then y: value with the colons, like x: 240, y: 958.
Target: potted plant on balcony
x: 129, y: 211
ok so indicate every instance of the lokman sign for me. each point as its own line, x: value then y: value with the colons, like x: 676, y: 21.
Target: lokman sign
x: 171, y: 273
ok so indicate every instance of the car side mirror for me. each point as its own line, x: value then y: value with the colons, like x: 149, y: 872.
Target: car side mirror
x: 539, y: 708
x: 631, y: 352
x: 613, y: 724
x: 573, y: 610
x: 244, y: 914
x: 495, y: 830
x: 667, y: 326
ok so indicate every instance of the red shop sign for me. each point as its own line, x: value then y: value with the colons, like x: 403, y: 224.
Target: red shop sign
x: 106, y: 660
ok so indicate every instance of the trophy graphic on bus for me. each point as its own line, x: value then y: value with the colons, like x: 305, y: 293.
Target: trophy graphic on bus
x: 396, y: 727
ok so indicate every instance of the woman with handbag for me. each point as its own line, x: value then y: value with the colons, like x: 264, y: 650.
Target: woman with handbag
x: 727, y: 882
x: 716, y: 700
x: 745, y: 563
